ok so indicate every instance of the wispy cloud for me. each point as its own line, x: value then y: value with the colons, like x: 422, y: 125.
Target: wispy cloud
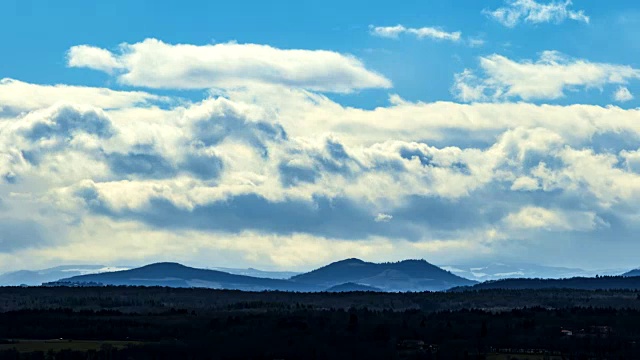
x: 530, y: 11
x: 547, y: 78
x: 393, y: 32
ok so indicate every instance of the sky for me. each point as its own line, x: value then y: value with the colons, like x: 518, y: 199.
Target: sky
x: 286, y: 135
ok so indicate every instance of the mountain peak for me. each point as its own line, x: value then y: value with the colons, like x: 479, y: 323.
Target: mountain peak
x: 165, y: 265
x: 350, y: 261
x: 408, y: 275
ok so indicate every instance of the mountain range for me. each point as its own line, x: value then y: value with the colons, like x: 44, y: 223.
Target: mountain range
x: 37, y: 277
x: 505, y: 270
x: 340, y: 276
x: 177, y: 275
x: 408, y: 275
x: 258, y: 273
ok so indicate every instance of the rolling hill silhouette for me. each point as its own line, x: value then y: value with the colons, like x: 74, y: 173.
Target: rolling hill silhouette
x: 38, y: 277
x: 346, y: 275
x: 177, y: 275
x: 408, y: 275
x: 632, y: 273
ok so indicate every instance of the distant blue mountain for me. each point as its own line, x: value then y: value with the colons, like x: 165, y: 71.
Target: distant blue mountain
x: 632, y: 273
x: 506, y: 270
x: 177, y: 275
x: 346, y: 275
x: 258, y: 273
x: 37, y: 277
x: 408, y: 275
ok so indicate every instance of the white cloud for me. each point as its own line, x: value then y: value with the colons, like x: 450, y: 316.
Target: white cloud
x: 92, y: 57
x: 532, y: 217
x: 433, y: 122
x: 424, y: 32
x: 530, y: 11
x: 21, y: 96
x: 383, y: 217
x: 155, y: 64
x: 547, y: 78
x: 622, y: 94
x: 525, y: 183
x: 632, y: 160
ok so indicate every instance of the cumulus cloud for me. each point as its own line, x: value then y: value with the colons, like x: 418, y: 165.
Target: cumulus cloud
x: 333, y: 188
x: 92, y: 57
x: 393, y: 32
x: 155, y: 64
x: 547, y: 78
x: 530, y: 11
x: 622, y: 94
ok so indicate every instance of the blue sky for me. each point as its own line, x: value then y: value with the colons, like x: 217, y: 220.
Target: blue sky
x: 38, y: 33
x: 288, y: 134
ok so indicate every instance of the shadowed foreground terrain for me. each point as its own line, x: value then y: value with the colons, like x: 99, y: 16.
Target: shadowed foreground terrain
x: 170, y: 323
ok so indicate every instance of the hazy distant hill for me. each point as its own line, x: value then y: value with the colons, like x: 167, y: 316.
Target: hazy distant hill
x: 496, y: 271
x: 578, y: 283
x: 177, y: 275
x: 258, y: 273
x: 408, y: 275
x: 351, y: 287
x: 37, y: 277
x: 635, y: 272
x: 346, y: 275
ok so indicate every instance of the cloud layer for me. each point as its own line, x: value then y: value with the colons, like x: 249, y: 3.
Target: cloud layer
x: 268, y: 165
x: 273, y: 172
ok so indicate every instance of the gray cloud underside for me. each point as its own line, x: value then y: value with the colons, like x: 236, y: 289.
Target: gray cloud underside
x: 283, y: 161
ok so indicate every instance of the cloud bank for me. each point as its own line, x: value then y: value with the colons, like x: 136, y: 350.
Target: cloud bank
x: 274, y: 172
